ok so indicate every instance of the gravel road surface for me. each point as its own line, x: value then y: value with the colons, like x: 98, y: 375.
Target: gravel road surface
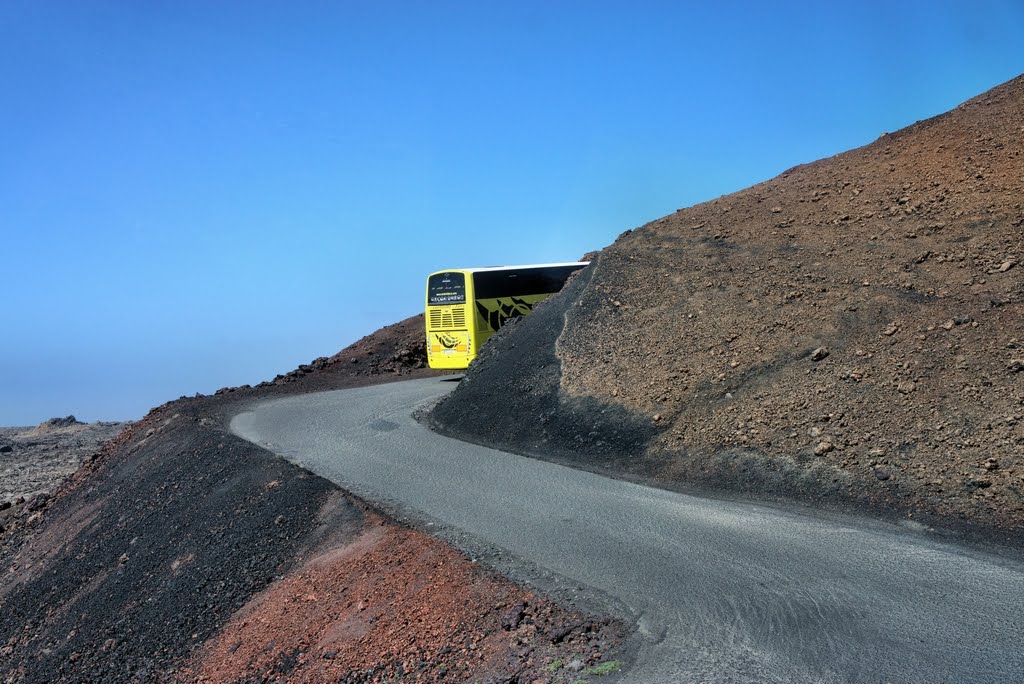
x: 724, y: 591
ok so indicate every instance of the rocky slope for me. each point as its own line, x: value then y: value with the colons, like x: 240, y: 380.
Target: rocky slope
x: 180, y: 552
x: 850, y: 333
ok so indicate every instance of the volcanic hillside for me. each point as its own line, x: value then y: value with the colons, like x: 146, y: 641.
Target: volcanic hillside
x: 850, y: 332
x: 181, y: 553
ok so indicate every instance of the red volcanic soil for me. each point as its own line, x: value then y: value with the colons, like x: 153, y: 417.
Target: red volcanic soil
x: 398, y: 604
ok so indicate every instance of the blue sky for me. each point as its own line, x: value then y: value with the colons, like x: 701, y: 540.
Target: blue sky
x: 199, y: 194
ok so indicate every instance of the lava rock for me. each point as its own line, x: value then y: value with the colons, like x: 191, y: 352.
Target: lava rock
x: 38, y: 502
x: 67, y: 421
x: 512, y: 617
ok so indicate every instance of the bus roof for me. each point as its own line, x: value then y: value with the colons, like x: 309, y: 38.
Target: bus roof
x: 511, y: 268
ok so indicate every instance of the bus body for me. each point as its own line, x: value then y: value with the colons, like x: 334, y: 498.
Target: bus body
x: 465, y: 306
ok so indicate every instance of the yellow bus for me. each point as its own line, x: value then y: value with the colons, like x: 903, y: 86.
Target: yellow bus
x: 465, y: 306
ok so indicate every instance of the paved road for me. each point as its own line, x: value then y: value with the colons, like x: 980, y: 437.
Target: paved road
x: 727, y: 592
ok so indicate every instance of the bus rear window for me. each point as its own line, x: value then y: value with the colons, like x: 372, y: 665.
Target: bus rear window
x: 446, y: 288
x: 520, y: 282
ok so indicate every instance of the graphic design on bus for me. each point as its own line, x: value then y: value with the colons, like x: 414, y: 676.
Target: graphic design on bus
x: 503, y: 309
x: 447, y: 341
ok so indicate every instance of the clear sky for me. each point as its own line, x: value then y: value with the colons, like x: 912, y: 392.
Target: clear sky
x: 201, y: 194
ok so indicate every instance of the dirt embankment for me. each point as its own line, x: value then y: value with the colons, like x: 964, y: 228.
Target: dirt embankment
x: 849, y: 333
x: 181, y: 553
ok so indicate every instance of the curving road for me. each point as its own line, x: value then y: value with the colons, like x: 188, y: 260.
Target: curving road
x: 725, y: 592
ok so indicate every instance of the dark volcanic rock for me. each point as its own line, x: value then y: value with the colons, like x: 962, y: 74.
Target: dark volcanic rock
x: 68, y: 421
x: 160, y: 537
x: 164, y: 539
x: 513, y: 616
x: 510, y: 397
